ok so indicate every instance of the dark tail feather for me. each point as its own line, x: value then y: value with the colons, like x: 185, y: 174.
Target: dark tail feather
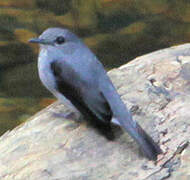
x: 147, y: 144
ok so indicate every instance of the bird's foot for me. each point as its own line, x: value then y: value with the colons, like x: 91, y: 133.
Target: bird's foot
x: 67, y: 115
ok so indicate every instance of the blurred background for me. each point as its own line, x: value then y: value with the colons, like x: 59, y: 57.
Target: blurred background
x: 116, y: 30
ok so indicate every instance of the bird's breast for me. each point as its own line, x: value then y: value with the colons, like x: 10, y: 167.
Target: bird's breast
x: 45, y: 72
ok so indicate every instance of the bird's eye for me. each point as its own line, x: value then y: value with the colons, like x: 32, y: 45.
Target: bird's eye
x: 60, y: 40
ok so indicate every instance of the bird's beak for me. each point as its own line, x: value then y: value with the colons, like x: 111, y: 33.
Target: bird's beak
x: 40, y: 41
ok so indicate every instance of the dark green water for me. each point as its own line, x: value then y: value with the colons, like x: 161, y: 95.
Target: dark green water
x: 116, y: 30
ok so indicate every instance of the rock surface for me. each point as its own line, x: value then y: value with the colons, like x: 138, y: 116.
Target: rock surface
x: 155, y: 87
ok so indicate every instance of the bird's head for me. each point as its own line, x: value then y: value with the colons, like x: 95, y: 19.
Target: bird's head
x: 56, y: 37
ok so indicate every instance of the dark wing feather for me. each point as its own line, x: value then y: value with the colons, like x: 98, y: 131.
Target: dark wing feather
x: 81, y: 95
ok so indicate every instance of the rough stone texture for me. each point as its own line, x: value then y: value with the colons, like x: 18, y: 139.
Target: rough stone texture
x: 156, y: 88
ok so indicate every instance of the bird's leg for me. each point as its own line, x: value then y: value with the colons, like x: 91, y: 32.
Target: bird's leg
x: 66, y: 115
x: 71, y: 111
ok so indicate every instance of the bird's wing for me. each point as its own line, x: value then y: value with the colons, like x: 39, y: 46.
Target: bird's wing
x: 82, y: 92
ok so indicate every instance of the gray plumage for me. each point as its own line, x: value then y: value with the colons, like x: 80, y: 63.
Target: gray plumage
x: 69, y: 69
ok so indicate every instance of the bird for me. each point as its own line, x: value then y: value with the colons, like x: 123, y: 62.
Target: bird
x: 75, y: 76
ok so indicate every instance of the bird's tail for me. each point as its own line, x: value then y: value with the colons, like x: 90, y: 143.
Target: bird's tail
x: 123, y: 117
x: 147, y: 144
